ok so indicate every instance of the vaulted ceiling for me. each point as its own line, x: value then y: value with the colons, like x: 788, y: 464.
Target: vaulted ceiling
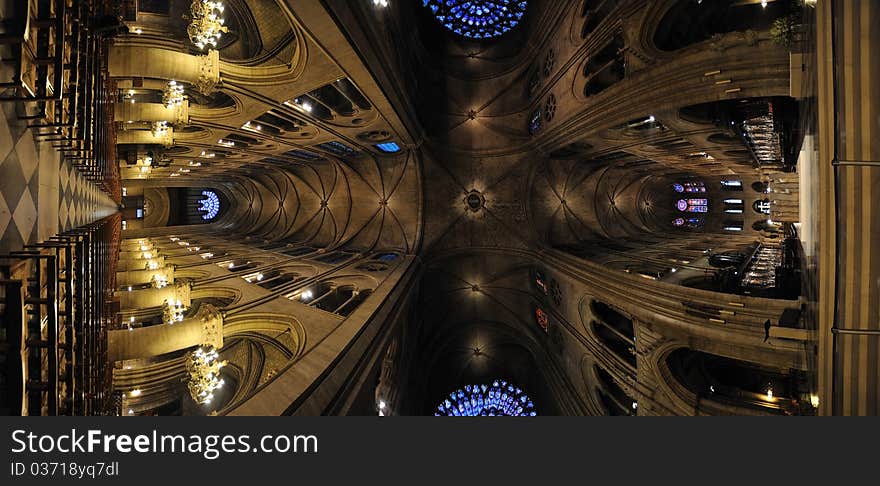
x: 509, y: 146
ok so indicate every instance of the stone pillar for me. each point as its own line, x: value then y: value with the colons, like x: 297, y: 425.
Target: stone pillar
x: 128, y: 264
x: 130, y: 61
x: 146, y: 137
x: 206, y: 327
x: 139, y: 277
x: 153, y: 297
x: 152, y: 112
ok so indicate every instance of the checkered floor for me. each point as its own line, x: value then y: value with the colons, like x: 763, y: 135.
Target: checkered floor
x: 40, y: 196
x: 81, y: 201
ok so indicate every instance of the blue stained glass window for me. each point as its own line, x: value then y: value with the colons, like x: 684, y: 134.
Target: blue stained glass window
x: 500, y: 399
x: 302, y: 154
x: 692, y: 205
x: 691, y: 223
x: 210, y: 205
x: 477, y: 19
x: 535, y: 122
x: 386, y: 257
x: 338, y: 148
x: 388, y: 147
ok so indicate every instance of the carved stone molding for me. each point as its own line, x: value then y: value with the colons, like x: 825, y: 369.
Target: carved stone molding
x: 212, y: 324
x: 182, y: 292
x: 209, y: 73
x: 182, y: 114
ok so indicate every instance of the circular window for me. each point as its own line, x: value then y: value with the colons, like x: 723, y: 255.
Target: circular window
x: 478, y: 19
x: 500, y: 399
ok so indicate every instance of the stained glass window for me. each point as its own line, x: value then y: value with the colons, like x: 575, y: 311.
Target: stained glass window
x: 388, y: 147
x: 338, y: 148
x: 210, y: 205
x: 302, y: 154
x: 500, y: 399
x: 693, y: 186
x: 762, y: 206
x: 693, y: 205
x: 535, y: 122
x: 477, y: 19
x: 687, y: 223
x: 543, y: 319
x: 541, y: 283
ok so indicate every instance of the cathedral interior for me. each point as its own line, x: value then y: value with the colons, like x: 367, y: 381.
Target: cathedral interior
x: 439, y: 207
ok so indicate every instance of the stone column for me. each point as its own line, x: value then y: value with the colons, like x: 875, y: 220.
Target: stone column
x: 139, y: 277
x: 130, y: 61
x: 205, y: 328
x: 152, y: 112
x: 146, y: 137
x: 153, y: 297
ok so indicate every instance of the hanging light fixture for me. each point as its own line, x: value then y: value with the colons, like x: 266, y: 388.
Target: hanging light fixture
x: 172, y: 311
x: 160, y: 129
x: 203, y: 367
x: 172, y: 95
x: 206, y: 24
x: 158, y: 281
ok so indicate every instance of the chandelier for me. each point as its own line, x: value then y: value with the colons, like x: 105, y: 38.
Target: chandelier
x: 203, y: 368
x: 158, y: 281
x: 160, y: 129
x: 206, y: 24
x: 172, y: 312
x: 173, y: 95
